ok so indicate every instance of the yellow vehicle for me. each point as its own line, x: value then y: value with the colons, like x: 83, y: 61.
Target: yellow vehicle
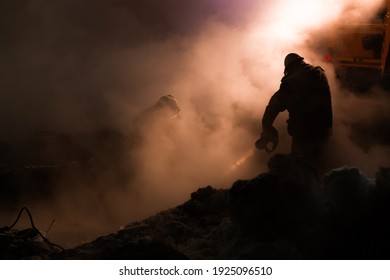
x: 360, y: 51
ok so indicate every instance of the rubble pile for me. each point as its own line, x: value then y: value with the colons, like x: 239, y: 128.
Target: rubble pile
x: 289, y: 212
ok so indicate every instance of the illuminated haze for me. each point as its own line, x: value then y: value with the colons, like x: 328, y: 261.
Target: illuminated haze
x: 81, y: 66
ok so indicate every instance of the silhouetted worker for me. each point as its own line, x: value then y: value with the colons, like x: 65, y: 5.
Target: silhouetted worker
x: 159, y: 116
x: 304, y: 92
x: 165, y: 108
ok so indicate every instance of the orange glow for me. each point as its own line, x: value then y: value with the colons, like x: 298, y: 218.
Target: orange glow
x: 242, y: 159
x: 289, y: 20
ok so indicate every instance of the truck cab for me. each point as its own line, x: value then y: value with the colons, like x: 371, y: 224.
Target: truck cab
x: 359, y: 50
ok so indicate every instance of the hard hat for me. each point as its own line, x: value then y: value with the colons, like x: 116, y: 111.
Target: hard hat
x: 292, y: 57
x: 168, y: 102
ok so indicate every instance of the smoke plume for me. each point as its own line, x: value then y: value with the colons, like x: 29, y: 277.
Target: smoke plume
x: 79, y: 72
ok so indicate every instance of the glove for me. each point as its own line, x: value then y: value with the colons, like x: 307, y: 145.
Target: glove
x: 268, y: 136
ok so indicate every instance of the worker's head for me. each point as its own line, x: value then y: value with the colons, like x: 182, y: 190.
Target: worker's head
x: 169, y: 104
x: 292, y: 58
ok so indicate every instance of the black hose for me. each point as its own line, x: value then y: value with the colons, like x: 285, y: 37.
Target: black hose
x: 33, y: 226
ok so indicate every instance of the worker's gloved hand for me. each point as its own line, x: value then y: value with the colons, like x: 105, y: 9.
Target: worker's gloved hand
x: 268, y: 137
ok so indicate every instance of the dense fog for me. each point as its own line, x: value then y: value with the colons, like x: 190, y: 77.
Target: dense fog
x: 77, y: 76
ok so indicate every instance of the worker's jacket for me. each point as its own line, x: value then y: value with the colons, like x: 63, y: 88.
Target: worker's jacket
x: 304, y: 92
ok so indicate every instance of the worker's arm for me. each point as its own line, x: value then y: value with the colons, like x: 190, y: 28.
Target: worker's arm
x: 269, y: 136
x: 274, y: 107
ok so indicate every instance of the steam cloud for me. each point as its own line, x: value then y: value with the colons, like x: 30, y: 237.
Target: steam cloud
x: 83, y: 66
